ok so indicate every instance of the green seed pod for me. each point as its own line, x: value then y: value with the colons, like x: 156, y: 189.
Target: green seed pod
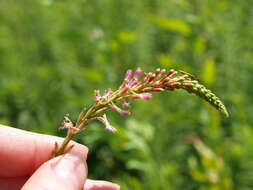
x: 206, y: 94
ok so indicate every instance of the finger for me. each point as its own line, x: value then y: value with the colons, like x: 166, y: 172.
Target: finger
x: 12, y: 183
x: 100, y: 185
x: 67, y: 172
x: 17, y: 183
x: 23, y: 152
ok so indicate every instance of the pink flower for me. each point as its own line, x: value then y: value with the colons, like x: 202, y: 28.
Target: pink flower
x: 67, y: 124
x: 119, y: 110
x: 132, y: 83
x: 96, y: 96
x: 105, y: 121
x: 128, y: 74
x: 125, y: 84
x: 144, y: 96
x: 138, y: 73
x: 107, y: 92
x: 125, y: 104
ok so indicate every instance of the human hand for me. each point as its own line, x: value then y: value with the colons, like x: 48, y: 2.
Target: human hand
x: 25, y: 164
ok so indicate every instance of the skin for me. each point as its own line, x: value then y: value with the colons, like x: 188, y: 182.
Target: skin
x: 25, y: 164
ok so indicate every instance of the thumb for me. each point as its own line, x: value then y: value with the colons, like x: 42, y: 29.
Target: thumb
x: 66, y: 172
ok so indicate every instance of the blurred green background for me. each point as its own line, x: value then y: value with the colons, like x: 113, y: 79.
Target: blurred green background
x: 55, y: 53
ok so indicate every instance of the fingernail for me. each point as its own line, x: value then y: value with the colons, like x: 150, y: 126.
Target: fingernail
x: 99, y: 184
x: 68, y: 165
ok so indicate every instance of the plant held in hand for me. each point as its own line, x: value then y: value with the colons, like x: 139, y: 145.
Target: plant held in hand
x: 134, y: 87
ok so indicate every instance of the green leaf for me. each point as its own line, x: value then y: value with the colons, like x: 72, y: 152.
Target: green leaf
x: 174, y: 25
x: 209, y: 71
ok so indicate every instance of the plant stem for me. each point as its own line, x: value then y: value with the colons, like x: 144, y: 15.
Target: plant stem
x: 62, y: 149
x: 134, y: 88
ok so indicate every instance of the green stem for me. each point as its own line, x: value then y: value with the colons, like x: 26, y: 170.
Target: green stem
x: 63, y: 147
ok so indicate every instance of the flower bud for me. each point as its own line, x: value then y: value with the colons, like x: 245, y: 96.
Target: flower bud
x: 128, y: 74
x: 96, y: 96
x: 144, y: 96
x: 138, y: 73
x: 119, y: 110
x: 105, y: 121
x: 107, y: 92
x: 67, y: 124
x: 125, y: 104
x: 154, y: 90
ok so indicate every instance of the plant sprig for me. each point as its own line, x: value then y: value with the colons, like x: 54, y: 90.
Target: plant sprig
x: 134, y: 87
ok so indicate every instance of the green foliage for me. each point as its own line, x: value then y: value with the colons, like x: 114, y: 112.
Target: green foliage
x: 210, y: 170
x: 53, y: 54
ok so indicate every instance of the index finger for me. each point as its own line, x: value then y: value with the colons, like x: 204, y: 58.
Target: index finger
x: 22, y: 152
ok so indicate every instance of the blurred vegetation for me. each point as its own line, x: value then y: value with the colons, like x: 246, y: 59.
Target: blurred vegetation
x: 55, y: 53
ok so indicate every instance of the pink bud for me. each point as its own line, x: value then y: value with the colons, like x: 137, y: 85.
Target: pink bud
x: 105, y: 121
x: 107, y: 92
x: 67, y: 124
x: 132, y: 83
x: 144, y: 96
x: 124, y: 89
x: 154, y: 90
x: 138, y: 73
x: 128, y: 74
x: 125, y: 104
x: 110, y: 128
x: 119, y: 110
x: 96, y: 96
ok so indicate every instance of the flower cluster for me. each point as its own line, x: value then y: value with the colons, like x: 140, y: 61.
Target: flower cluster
x: 134, y: 86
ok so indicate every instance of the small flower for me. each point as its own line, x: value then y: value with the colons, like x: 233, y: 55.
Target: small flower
x: 132, y: 83
x: 105, y: 121
x: 119, y: 110
x: 144, y: 96
x: 107, y: 92
x: 124, y: 85
x: 128, y: 74
x: 67, y: 124
x: 96, y: 96
x: 137, y: 73
x: 125, y: 104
